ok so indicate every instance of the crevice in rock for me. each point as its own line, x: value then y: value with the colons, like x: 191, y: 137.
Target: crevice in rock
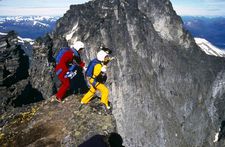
x: 28, y: 96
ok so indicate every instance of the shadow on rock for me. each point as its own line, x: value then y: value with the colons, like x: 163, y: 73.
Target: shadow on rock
x: 78, y: 83
x: 113, y: 140
x: 28, y: 96
x: 222, y: 131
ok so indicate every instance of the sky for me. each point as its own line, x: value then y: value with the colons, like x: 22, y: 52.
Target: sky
x: 59, y: 7
x: 199, y: 7
x: 36, y: 7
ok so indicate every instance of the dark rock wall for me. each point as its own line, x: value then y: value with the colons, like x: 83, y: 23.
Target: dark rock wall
x: 41, y: 70
x: 14, y: 66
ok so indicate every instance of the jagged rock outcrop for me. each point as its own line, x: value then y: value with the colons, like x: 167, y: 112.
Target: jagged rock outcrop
x: 165, y: 21
x: 164, y: 89
x: 13, y: 71
x: 43, y: 77
x: 41, y: 71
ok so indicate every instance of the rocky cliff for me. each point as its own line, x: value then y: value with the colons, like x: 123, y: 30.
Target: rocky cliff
x: 15, y: 87
x: 165, y: 90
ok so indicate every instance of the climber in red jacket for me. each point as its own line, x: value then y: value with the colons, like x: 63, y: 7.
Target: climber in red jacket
x: 68, y: 59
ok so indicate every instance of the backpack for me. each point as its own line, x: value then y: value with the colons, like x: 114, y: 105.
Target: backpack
x: 62, y: 52
x: 90, y: 68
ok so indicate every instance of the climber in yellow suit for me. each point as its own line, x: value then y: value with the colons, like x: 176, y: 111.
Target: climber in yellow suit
x: 97, y: 78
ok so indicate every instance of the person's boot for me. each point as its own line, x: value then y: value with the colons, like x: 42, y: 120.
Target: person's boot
x: 106, y: 109
x: 81, y: 106
x: 54, y: 98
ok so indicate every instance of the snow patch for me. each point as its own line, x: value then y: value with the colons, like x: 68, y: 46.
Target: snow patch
x: 70, y: 33
x: 216, y: 137
x: 40, y: 23
x: 3, y: 33
x: 31, y: 18
x: 189, y: 23
x: 23, y: 40
x: 208, y: 48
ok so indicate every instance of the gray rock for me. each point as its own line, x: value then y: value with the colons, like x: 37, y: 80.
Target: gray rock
x: 13, y: 72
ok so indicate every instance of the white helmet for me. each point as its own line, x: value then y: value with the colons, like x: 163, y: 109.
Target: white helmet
x: 101, y: 55
x: 78, y: 45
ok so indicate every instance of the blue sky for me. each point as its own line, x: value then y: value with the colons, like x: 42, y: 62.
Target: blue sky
x: 59, y: 7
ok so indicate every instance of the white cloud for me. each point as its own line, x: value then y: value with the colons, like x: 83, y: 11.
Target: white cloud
x: 199, y: 7
x: 33, y: 11
x: 214, y: 1
x: 183, y: 10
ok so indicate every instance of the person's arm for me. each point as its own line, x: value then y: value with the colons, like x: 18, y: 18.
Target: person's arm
x: 97, y: 70
x: 79, y: 61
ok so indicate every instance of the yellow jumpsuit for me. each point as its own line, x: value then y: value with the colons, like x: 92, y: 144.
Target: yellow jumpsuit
x: 98, y: 86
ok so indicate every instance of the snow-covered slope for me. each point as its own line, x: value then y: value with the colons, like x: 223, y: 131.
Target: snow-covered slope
x: 28, y: 18
x: 26, y: 44
x: 28, y: 26
x: 3, y: 34
x: 23, y: 40
x: 28, y: 21
x: 208, y: 48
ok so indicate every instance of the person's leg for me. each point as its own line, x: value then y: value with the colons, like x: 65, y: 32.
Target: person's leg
x: 88, y: 96
x: 64, y: 87
x: 105, y: 93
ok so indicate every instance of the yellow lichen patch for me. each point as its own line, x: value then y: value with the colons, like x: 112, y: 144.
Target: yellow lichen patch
x: 23, y: 117
x: 26, y: 116
x: 1, y: 135
x: 2, y: 117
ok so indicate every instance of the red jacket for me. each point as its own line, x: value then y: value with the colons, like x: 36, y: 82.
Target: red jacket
x: 68, y: 58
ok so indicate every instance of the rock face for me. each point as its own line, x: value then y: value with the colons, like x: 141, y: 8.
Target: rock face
x: 43, y: 77
x: 13, y: 71
x: 165, y: 21
x: 15, y: 87
x: 164, y: 89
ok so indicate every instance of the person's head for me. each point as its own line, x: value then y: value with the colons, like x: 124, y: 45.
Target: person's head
x: 78, y: 45
x: 102, y: 56
x: 107, y: 50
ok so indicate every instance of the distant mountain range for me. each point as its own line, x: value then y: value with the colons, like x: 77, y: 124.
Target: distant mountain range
x: 28, y: 26
x: 209, y: 28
